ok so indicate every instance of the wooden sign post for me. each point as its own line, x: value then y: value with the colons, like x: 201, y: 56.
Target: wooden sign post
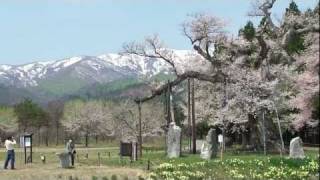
x: 26, y: 143
x: 220, y: 140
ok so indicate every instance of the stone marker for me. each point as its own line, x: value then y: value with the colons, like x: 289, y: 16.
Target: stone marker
x: 210, y: 146
x: 173, y: 141
x: 64, y: 159
x: 296, y: 148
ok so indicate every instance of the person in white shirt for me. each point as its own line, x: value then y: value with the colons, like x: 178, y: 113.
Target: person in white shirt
x: 9, y: 144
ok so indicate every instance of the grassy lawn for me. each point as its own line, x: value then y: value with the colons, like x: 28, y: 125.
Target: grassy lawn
x: 86, y: 168
x: 111, y: 164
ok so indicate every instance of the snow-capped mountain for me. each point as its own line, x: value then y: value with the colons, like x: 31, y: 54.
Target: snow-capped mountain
x: 103, y: 68
x: 71, y: 75
x: 107, y: 75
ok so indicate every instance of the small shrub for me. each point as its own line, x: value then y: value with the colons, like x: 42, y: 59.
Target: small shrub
x: 94, y: 178
x: 114, y: 177
x: 105, y: 178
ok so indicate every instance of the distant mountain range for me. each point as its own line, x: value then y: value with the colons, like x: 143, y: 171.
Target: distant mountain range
x: 108, y: 75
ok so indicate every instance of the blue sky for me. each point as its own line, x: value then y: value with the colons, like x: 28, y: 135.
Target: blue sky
x: 40, y: 30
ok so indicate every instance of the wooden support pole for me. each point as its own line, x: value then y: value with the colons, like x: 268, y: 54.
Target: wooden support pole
x: 25, y: 154
x: 221, y: 151
x: 194, y: 135
x: 168, y: 105
x: 264, y: 134
x: 189, y: 115
x: 31, y: 149
x: 99, y: 160
x: 148, y: 165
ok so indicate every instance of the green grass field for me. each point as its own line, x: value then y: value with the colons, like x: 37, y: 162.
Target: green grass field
x: 111, y: 166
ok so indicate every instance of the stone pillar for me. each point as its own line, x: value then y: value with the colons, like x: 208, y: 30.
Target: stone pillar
x: 173, y: 140
x: 210, y: 146
x: 296, y: 148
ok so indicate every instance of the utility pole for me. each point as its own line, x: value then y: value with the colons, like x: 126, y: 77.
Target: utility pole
x: 167, y: 111
x: 140, y: 130
x: 193, y: 132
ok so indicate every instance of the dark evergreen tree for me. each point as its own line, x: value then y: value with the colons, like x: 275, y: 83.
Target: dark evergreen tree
x: 296, y: 44
x: 293, y: 8
x: 29, y: 114
x: 248, y: 31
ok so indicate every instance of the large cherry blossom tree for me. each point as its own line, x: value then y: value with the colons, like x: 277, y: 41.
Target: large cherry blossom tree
x: 250, y: 74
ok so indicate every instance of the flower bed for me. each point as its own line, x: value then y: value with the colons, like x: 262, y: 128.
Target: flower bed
x: 269, y: 168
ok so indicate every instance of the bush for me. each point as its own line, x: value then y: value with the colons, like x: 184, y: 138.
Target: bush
x: 296, y: 44
x: 114, y: 177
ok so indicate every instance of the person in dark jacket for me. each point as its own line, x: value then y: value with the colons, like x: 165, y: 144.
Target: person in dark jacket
x: 71, y: 150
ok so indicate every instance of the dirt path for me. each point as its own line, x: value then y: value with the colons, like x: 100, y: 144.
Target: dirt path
x: 50, y: 172
x: 36, y: 149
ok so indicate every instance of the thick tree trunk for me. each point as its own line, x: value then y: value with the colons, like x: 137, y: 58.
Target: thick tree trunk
x: 255, y: 133
x: 244, y: 139
x: 47, y: 136
x: 57, y: 134
x: 86, y: 140
x: 39, y: 136
x: 261, y: 131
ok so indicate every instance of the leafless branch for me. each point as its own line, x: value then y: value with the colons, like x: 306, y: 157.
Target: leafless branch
x: 151, y: 48
x: 204, y: 33
x: 262, y: 8
x: 219, y: 77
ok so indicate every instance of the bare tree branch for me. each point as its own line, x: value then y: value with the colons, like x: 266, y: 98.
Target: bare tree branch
x: 262, y: 8
x: 152, y: 48
x: 204, y: 32
x: 219, y: 77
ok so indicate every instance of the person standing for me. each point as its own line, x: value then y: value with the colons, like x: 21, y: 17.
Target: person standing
x: 71, y: 151
x: 9, y: 144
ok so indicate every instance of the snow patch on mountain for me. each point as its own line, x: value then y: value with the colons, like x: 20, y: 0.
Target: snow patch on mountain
x: 5, y: 67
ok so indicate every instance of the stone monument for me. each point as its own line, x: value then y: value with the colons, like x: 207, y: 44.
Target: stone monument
x: 296, y: 148
x: 173, y: 141
x: 210, y: 146
x: 64, y: 159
